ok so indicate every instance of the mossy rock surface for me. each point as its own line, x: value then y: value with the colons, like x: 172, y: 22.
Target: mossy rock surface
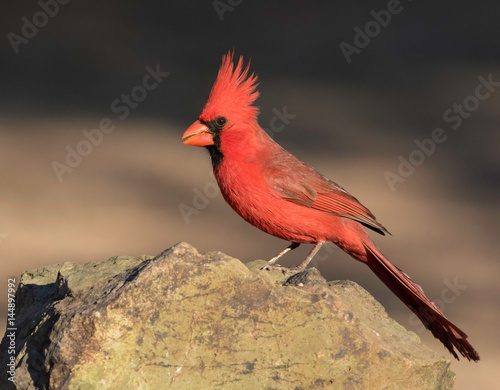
x: 183, y: 320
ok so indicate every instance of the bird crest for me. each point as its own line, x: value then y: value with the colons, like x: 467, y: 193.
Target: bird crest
x: 233, y: 92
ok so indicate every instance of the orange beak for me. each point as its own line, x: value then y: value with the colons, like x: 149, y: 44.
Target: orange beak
x: 197, y: 134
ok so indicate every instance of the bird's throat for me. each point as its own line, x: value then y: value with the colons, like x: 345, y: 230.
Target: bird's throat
x: 215, y: 154
x: 214, y: 150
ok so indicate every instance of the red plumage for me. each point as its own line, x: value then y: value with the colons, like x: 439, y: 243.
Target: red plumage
x: 283, y: 196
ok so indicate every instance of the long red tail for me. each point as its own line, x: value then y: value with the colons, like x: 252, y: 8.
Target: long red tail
x: 413, y: 296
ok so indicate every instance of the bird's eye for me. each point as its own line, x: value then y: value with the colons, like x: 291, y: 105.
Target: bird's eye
x: 221, y: 121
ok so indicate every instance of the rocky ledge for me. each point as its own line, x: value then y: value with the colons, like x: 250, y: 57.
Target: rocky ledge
x: 185, y: 320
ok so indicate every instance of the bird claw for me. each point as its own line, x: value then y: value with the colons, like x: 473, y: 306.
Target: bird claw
x: 285, y: 270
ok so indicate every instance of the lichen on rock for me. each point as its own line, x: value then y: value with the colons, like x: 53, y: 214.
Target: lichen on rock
x: 184, y: 320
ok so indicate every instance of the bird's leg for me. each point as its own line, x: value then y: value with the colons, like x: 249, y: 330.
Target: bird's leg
x: 310, y: 256
x: 289, y: 248
x: 302, y: 266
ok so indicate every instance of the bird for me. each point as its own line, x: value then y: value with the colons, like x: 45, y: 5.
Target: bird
x: 283, y: 196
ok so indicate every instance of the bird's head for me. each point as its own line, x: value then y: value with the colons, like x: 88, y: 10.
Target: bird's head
x: 229, y: 107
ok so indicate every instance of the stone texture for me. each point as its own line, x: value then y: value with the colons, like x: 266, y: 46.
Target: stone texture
x: 183, y: 320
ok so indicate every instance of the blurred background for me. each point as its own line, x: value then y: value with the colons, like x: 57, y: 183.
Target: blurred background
x: 354, y: 113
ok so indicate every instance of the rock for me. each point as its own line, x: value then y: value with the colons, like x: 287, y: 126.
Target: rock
x: 183, y: 320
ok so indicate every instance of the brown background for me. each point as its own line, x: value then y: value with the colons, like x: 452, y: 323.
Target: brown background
x: 353, y: 121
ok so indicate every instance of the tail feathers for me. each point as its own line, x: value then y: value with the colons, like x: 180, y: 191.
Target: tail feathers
x: 427, y: 311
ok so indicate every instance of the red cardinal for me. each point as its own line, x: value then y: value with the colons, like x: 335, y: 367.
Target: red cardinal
x: 283, y: 196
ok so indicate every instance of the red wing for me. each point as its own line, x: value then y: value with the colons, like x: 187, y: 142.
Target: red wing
x: 306, y: 187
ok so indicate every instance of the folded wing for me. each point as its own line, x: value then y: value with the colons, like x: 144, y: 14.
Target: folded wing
x: 297, y: 182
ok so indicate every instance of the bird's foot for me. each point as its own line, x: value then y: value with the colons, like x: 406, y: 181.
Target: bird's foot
x: 285, y: 270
